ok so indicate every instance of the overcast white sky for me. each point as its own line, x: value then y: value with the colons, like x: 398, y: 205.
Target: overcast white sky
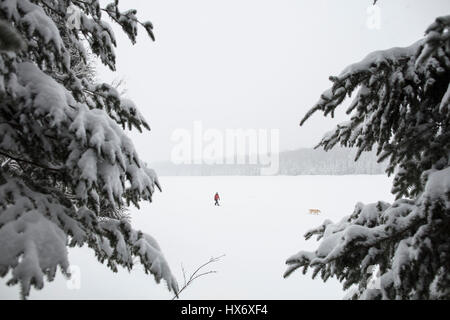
x: 251, y: 63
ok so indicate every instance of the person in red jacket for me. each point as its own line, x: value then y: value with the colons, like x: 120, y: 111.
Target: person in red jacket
x: 216, y: 199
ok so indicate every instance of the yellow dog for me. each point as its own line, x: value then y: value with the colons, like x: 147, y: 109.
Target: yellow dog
x: 314, y: 211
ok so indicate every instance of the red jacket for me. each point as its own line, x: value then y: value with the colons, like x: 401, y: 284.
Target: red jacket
x: 216, y: 197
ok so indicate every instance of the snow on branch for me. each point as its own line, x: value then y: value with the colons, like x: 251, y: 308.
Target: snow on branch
x: 395, y: 89
x: 401, y: 107
x: 68, y: 168
x: 351, y: 247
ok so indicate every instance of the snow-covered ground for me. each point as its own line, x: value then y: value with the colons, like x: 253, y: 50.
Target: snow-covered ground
x: 260, y: 223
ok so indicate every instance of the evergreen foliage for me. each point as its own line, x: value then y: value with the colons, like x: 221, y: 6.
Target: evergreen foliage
x: 68, y: 170
x: 401, y: 108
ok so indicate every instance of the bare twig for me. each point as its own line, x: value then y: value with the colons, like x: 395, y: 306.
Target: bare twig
x: 196, y: 274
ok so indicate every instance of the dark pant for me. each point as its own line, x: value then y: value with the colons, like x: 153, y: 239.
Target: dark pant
x: 217, y: 203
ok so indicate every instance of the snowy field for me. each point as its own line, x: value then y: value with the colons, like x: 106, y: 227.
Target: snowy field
x: 260, y: 223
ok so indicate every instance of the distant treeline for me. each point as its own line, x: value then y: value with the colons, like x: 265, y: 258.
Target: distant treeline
x: 305, y: 161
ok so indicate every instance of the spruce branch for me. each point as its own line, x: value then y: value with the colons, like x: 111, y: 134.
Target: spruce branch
x: 55, y: 169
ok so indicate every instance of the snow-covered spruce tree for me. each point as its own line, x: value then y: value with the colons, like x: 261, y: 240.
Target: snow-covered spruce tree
x: 66, y: 165
x: 402, y: 109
